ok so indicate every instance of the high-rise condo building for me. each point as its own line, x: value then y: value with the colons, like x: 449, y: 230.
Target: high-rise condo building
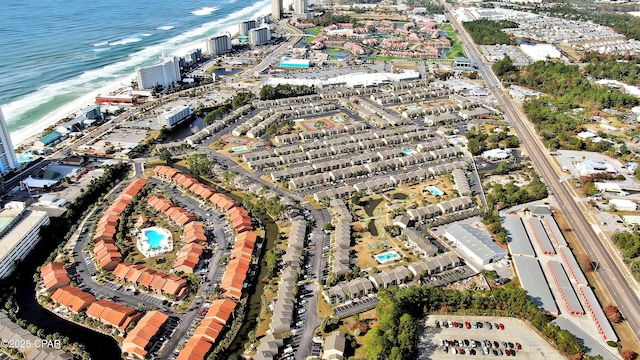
x: 299, y: 7
x: 165, y: 73
x: 245, y: 26
x: 8, y: 158
x: 220, y: 44
x: 259, y: 36
x: 276, y: 9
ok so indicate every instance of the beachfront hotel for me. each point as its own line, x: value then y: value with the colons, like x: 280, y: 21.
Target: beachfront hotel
x: 220, y: 44
x: 245, y: 26
x: 19, y: 233
x: 8, y: 158
x: 276, y: 9
x: 259, y: 36
x: 164, y: 73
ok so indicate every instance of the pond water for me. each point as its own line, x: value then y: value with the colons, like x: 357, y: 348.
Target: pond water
x: 399, y: 196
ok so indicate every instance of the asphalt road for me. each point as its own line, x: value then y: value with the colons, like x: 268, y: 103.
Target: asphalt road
x: 613, y: 279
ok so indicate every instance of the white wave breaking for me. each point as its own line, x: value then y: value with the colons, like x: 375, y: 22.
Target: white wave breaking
x: 165, y: 28
x: 125, y: 41
x: 118, y: 73
x: 207, y: 10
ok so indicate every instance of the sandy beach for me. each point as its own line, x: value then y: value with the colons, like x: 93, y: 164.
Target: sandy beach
x: 25, y: 137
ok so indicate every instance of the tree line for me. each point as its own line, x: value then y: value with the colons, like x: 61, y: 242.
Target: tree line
x: 510, y: 194
x: 281, y: 91
x: 629, y: 244
x: 489, y: 32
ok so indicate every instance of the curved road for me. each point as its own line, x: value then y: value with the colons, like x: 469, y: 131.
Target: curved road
x: 612, y: 278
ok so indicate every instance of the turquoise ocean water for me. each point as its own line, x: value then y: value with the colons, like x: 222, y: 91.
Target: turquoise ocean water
x: 53, y: 52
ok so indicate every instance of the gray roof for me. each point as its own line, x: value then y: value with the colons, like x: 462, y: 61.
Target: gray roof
x: 553, y: 230
x: 335, y: 341
x: 519, y: 242
x: 540, y: 235
x: 566, y: 289
x: 534, y: 282
x: 596, y: 311
x: 540, y: 210
x: 572, y: 266
x: 475, y: 240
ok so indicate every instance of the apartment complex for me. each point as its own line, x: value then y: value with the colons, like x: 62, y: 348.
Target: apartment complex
x: 164, y: 73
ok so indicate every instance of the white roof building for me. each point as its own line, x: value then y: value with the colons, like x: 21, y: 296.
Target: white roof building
x: 590, y: 167
x: 476, y: 243
x: 624, y: 204
x: 497, y: 154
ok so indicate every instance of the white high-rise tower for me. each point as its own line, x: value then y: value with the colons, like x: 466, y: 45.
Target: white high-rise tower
x: 276, y: 9
x: 8, y: 159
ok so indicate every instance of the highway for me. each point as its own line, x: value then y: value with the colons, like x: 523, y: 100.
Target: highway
x: 614, y: 281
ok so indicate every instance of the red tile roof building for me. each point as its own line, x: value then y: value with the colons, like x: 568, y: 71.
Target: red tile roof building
x: 187, y: 258
x: 140, y: 339
x: 236, y: 273
x: 72, y: 298
x: 112, y: 314
x: 155, y: 281
x: 209, y: 330
x: 194, y: 232
x: 54, y: 276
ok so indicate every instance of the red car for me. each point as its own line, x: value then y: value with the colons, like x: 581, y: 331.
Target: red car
x: 501, y: 326
x: 518, y: 346
x: 455, y: 324
x: 467, y: 325
x: 507, y: 352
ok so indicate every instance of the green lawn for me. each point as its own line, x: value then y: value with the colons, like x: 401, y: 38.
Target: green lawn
x: 456, y: 48
x: 314, y: 30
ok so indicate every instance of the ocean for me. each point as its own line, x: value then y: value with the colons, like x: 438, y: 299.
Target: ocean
x: 54, y: 52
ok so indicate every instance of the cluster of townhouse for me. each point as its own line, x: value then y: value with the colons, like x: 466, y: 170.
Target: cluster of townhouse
x: 54, y: 276
x: 341, y: 237
x: 108, y: 256
x: 140, y: 339
x: 424, y: 213
x: 362, y: 287
x: 315, y: 158
x: 105, y: 250
x: 283, y: 307
x: 257, y: 125
x: 151, y: 280
x: 209, y: 331
x: 372, y: 112
x: 241, y: 257
x: 414, y: 39
x: 389, y: 181
x: 172, y: 211
x: 299, y: 105
x: 117, y: 317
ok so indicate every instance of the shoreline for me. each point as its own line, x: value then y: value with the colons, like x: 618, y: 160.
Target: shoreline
x: 32, y: 132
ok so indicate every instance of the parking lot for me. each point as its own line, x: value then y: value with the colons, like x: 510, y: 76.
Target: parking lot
x: 355, y: 307
x: 514, y: 331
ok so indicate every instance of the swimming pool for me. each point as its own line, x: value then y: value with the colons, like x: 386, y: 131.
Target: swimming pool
x: 239, y: 148
x: 412, y: 107
x: 408, y: 151
x: 154, y: 241
x: 435, y: 191
x: 338, y: 119
x: 386, y: 256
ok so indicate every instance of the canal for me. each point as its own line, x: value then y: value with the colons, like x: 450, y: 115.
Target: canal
x: 255, y: 295
x: 99, y: 346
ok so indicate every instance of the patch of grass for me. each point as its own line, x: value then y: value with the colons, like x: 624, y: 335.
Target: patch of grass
x: 315, y: 31
x: 456, y: 47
